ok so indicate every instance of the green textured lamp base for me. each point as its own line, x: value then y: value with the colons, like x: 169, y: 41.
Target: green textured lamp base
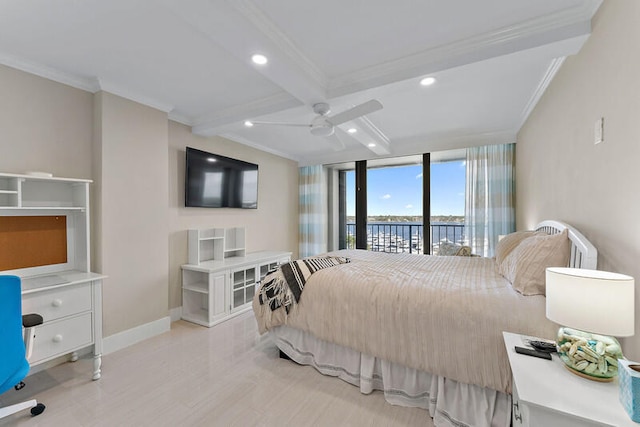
x: 591, y: 356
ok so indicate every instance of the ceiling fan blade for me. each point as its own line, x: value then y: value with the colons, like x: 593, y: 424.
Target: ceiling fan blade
x: 335, y: 142
x: 282, y: 124
x: 355, y: 112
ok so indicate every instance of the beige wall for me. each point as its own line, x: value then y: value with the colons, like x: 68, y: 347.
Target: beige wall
x: 562, y: 175
x: 273, y: 226
x: 132, y: 231
x: 44, y: 126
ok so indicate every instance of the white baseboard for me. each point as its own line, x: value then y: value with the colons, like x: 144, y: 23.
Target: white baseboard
x: 175, y: 314
x: 135, y: 335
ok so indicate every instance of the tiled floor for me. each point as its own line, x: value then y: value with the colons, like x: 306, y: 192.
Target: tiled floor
x: 196, y: 376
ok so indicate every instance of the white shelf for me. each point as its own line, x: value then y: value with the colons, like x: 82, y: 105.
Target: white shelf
x: 45, y: 208
x: 198, y: 287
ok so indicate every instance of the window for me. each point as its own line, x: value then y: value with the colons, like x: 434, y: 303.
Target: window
x: 448, y: 180
x: 394, y: 200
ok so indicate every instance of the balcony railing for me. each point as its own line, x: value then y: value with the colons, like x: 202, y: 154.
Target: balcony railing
x: 405, y: 237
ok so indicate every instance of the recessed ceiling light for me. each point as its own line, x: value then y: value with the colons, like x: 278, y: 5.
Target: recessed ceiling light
x: 352, y: 130
x: 371, y: 144
x: 259, y: 59
x: 248, y: 123
x: 211, y: 159
x: 427, y: 81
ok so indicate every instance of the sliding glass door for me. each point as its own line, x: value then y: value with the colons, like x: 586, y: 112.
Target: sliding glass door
x: 396, y: 197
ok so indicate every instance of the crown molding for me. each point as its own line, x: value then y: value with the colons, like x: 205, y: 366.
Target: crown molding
x: 244, y: 141
x: 542, y: 30
x: 544, y: 83
x: 86, y: 84
x: 133, y: 96
x: 90, y: 84
x: 180, y: 118
x: 283, y: 43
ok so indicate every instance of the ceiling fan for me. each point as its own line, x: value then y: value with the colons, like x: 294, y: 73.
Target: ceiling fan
x: 324, y: 125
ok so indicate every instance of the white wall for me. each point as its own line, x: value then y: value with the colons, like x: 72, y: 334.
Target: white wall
x: 562, y: 175
x: 273, y: 226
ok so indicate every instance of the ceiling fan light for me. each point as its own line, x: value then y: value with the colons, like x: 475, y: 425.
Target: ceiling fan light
x: 322, y: 130
x: 428, y: 81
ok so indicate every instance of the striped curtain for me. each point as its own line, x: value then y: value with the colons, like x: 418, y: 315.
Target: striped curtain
x: 490, y: 195
x: 312, y: 237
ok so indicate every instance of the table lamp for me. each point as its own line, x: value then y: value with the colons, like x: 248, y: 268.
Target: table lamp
x: 592, y: 306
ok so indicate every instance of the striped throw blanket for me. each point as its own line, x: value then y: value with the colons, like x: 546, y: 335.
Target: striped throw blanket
x: 285, y: 285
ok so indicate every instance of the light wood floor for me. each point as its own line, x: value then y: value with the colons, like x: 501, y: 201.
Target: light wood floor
x: 196, y: 376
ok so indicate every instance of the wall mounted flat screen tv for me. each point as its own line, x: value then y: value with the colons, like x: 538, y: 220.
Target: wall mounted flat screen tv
x: 214, y: 181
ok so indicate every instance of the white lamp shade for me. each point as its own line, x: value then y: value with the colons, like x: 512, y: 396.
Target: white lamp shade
x: 591, y: 300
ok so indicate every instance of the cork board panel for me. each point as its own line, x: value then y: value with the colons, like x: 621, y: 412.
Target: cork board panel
x: 32, y: 241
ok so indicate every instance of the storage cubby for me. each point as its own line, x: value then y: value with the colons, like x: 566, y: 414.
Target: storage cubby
x: 57, y: 194
x: 9, y: 192
x: 234, y: 242
x: 29, y: 192
x: 206, y: 245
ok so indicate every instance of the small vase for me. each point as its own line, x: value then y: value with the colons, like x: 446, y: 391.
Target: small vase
x: 589, y: 355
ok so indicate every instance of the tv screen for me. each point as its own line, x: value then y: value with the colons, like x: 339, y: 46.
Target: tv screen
x: 214, y: 181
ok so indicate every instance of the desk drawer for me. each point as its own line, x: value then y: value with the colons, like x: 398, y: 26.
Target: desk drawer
x: 61, y: 337
x: 58, y: 303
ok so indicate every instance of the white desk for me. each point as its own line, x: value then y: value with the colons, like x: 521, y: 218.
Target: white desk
x: 546, y: 394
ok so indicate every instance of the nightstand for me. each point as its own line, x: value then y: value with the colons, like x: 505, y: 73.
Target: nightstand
x: 546, y: 394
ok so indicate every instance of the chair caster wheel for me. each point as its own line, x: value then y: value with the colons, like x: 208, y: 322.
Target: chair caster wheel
x: 38, y: 409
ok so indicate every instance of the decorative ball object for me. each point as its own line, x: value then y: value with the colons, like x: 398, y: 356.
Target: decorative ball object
x: 589, y: 355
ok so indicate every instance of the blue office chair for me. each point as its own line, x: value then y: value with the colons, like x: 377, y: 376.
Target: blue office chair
x: 14, y: 347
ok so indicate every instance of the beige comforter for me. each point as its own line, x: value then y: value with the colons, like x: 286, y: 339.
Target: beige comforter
x: 443, y: 315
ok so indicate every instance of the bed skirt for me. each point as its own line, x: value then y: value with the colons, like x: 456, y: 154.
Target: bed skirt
x: 449, y: 403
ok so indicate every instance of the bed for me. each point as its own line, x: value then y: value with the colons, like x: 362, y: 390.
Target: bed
x: 426, y: 330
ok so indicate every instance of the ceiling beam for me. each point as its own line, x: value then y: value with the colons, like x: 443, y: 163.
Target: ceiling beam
x: 241, y: 29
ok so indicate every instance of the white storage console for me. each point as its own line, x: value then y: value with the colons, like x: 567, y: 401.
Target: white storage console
x: 221, y: 278
x: 53, y: 262
x: 214, y: 291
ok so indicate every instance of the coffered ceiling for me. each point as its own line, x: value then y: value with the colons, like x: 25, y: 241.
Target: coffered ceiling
x: 492, y: 60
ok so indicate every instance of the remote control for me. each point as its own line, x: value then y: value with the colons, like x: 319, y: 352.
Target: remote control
x: 534, y: 353
x: 544, y: 346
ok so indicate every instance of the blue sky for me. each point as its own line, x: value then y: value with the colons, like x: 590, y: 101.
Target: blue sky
x: 398, y: 190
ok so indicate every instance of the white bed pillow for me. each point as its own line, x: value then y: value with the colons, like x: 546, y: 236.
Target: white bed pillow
x: 525, y: 266
x: 509, y: 243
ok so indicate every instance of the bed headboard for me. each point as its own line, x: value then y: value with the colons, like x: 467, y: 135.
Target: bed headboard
x: 583, y: 253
